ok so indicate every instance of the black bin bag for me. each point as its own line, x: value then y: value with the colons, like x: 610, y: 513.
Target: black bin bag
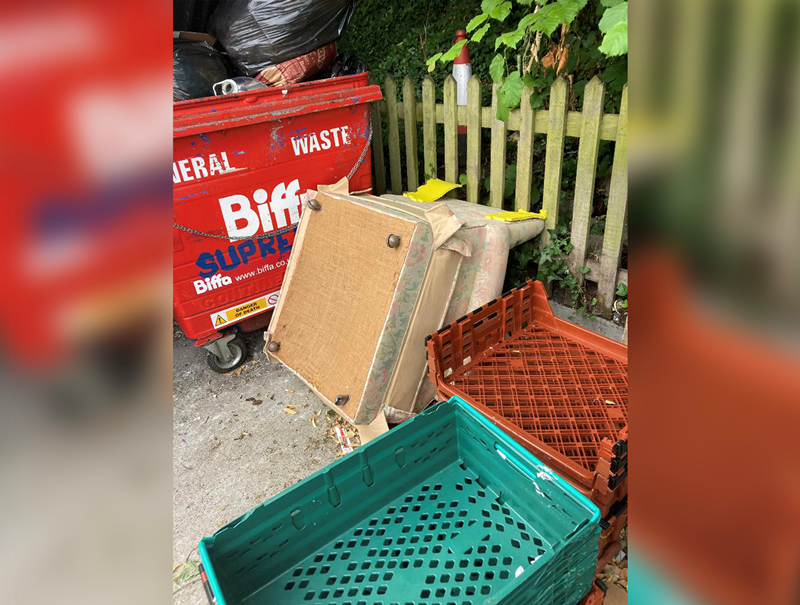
x: 196, y: 66
x: 259, y: 33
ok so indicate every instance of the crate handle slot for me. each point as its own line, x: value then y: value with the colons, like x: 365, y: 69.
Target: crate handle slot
x: 366, y: 474
x: 366, y: 471
x: 333, y: 492
x: 298, y: 519
x: 400, y: 456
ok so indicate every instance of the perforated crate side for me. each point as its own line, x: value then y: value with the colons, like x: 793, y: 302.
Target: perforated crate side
x: 545, y: 380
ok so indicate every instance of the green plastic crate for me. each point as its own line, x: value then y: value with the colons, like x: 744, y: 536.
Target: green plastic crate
x: 445, y: 509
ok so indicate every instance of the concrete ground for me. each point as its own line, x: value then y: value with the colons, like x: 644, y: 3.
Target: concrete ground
x: 228, y: 453
x: 235, y: 445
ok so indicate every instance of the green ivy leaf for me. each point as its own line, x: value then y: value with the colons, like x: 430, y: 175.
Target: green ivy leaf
x: 508, y: 95
x: 622, y: 290
x: 502, y: 107
x: 510, y: 39
x: 616, y: 75
x: 497, y: 68
x: 501, y: 11
x: 527, y: 20
x: 547, y: 21
x: 553, y: 15
x: 478, y: 36
x: 615, y: 42
x: 594, y: 302
x: 624, y: 304
x: 476, y: 21
x: 614, y: 16
x: 431, y: 63
x: 453, y: 52
x: 525, y: 256
x: 584, y: 270
x: 545, y: 256
x: 571, y: 8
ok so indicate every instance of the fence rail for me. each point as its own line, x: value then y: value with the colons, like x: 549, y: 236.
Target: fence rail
x: 591, y: 125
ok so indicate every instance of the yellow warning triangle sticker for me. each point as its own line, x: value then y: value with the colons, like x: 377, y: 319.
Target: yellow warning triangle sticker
x: 220, y: 320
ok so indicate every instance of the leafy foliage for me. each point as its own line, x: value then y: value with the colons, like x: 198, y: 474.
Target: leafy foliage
x: 399, y: 38
x: 614, y: 25
x: 406, y: 38
x: 519, y: 33
x: 497, y: 68
x: 509, y: 95
x: 552, y: 268
x: 622, y: 292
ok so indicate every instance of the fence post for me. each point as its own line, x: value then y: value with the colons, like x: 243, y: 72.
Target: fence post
x: 394, y: 135
x: 377, y: 148
x: 474, y: 140
x: 410, y: 124
x: 585, y: 174
x: 429, y: 169
x: 450, y: 132
x: 497, y: 178
x: 555, y: 154
x: 617, y: 209
x: 525, y: 152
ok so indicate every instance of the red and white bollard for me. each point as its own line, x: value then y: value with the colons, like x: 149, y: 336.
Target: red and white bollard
x: 462, y: 72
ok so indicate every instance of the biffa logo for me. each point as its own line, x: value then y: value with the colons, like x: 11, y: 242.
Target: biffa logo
x: 201, y: 286
x: 284, y: 199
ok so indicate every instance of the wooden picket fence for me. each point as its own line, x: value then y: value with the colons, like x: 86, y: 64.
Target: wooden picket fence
x: 591, y: 125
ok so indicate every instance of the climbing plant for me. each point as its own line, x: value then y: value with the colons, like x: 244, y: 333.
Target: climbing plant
x: 525, y: 54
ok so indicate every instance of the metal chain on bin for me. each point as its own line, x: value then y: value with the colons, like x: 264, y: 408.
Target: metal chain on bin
x: 358, y: 163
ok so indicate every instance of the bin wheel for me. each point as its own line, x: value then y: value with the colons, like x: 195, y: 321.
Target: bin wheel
x: 237, y: 348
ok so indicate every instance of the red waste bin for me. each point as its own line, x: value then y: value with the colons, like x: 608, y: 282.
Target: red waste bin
x: 242, y: 164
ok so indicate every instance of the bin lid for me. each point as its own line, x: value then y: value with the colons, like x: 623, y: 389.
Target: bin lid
x: 255, y: 106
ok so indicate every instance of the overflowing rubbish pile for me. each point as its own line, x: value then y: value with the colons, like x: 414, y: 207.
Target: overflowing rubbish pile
x: 504, y: 477
x: 253, y: 44
x: 196, y: 67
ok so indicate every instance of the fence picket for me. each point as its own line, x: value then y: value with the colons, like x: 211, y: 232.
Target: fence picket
x: 497, y: 178
x: 525, y: 153
x: 551, y: 192
x: 474, y: 140
x: 450, y: 132
x: 617, y: 210
x: 585, y: 174
x: 394, y: 135
x: 410, y: 124
x: 429, y: 168
x: 377, y: 150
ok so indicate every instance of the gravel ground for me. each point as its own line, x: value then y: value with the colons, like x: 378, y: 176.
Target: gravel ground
x: 230, y: 454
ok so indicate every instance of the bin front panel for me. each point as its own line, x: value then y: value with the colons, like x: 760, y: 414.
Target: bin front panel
x: 250, y: 180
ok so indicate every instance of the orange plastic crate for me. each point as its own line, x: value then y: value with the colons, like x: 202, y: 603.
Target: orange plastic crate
x: 596, y: 596
x: 560, y: 390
